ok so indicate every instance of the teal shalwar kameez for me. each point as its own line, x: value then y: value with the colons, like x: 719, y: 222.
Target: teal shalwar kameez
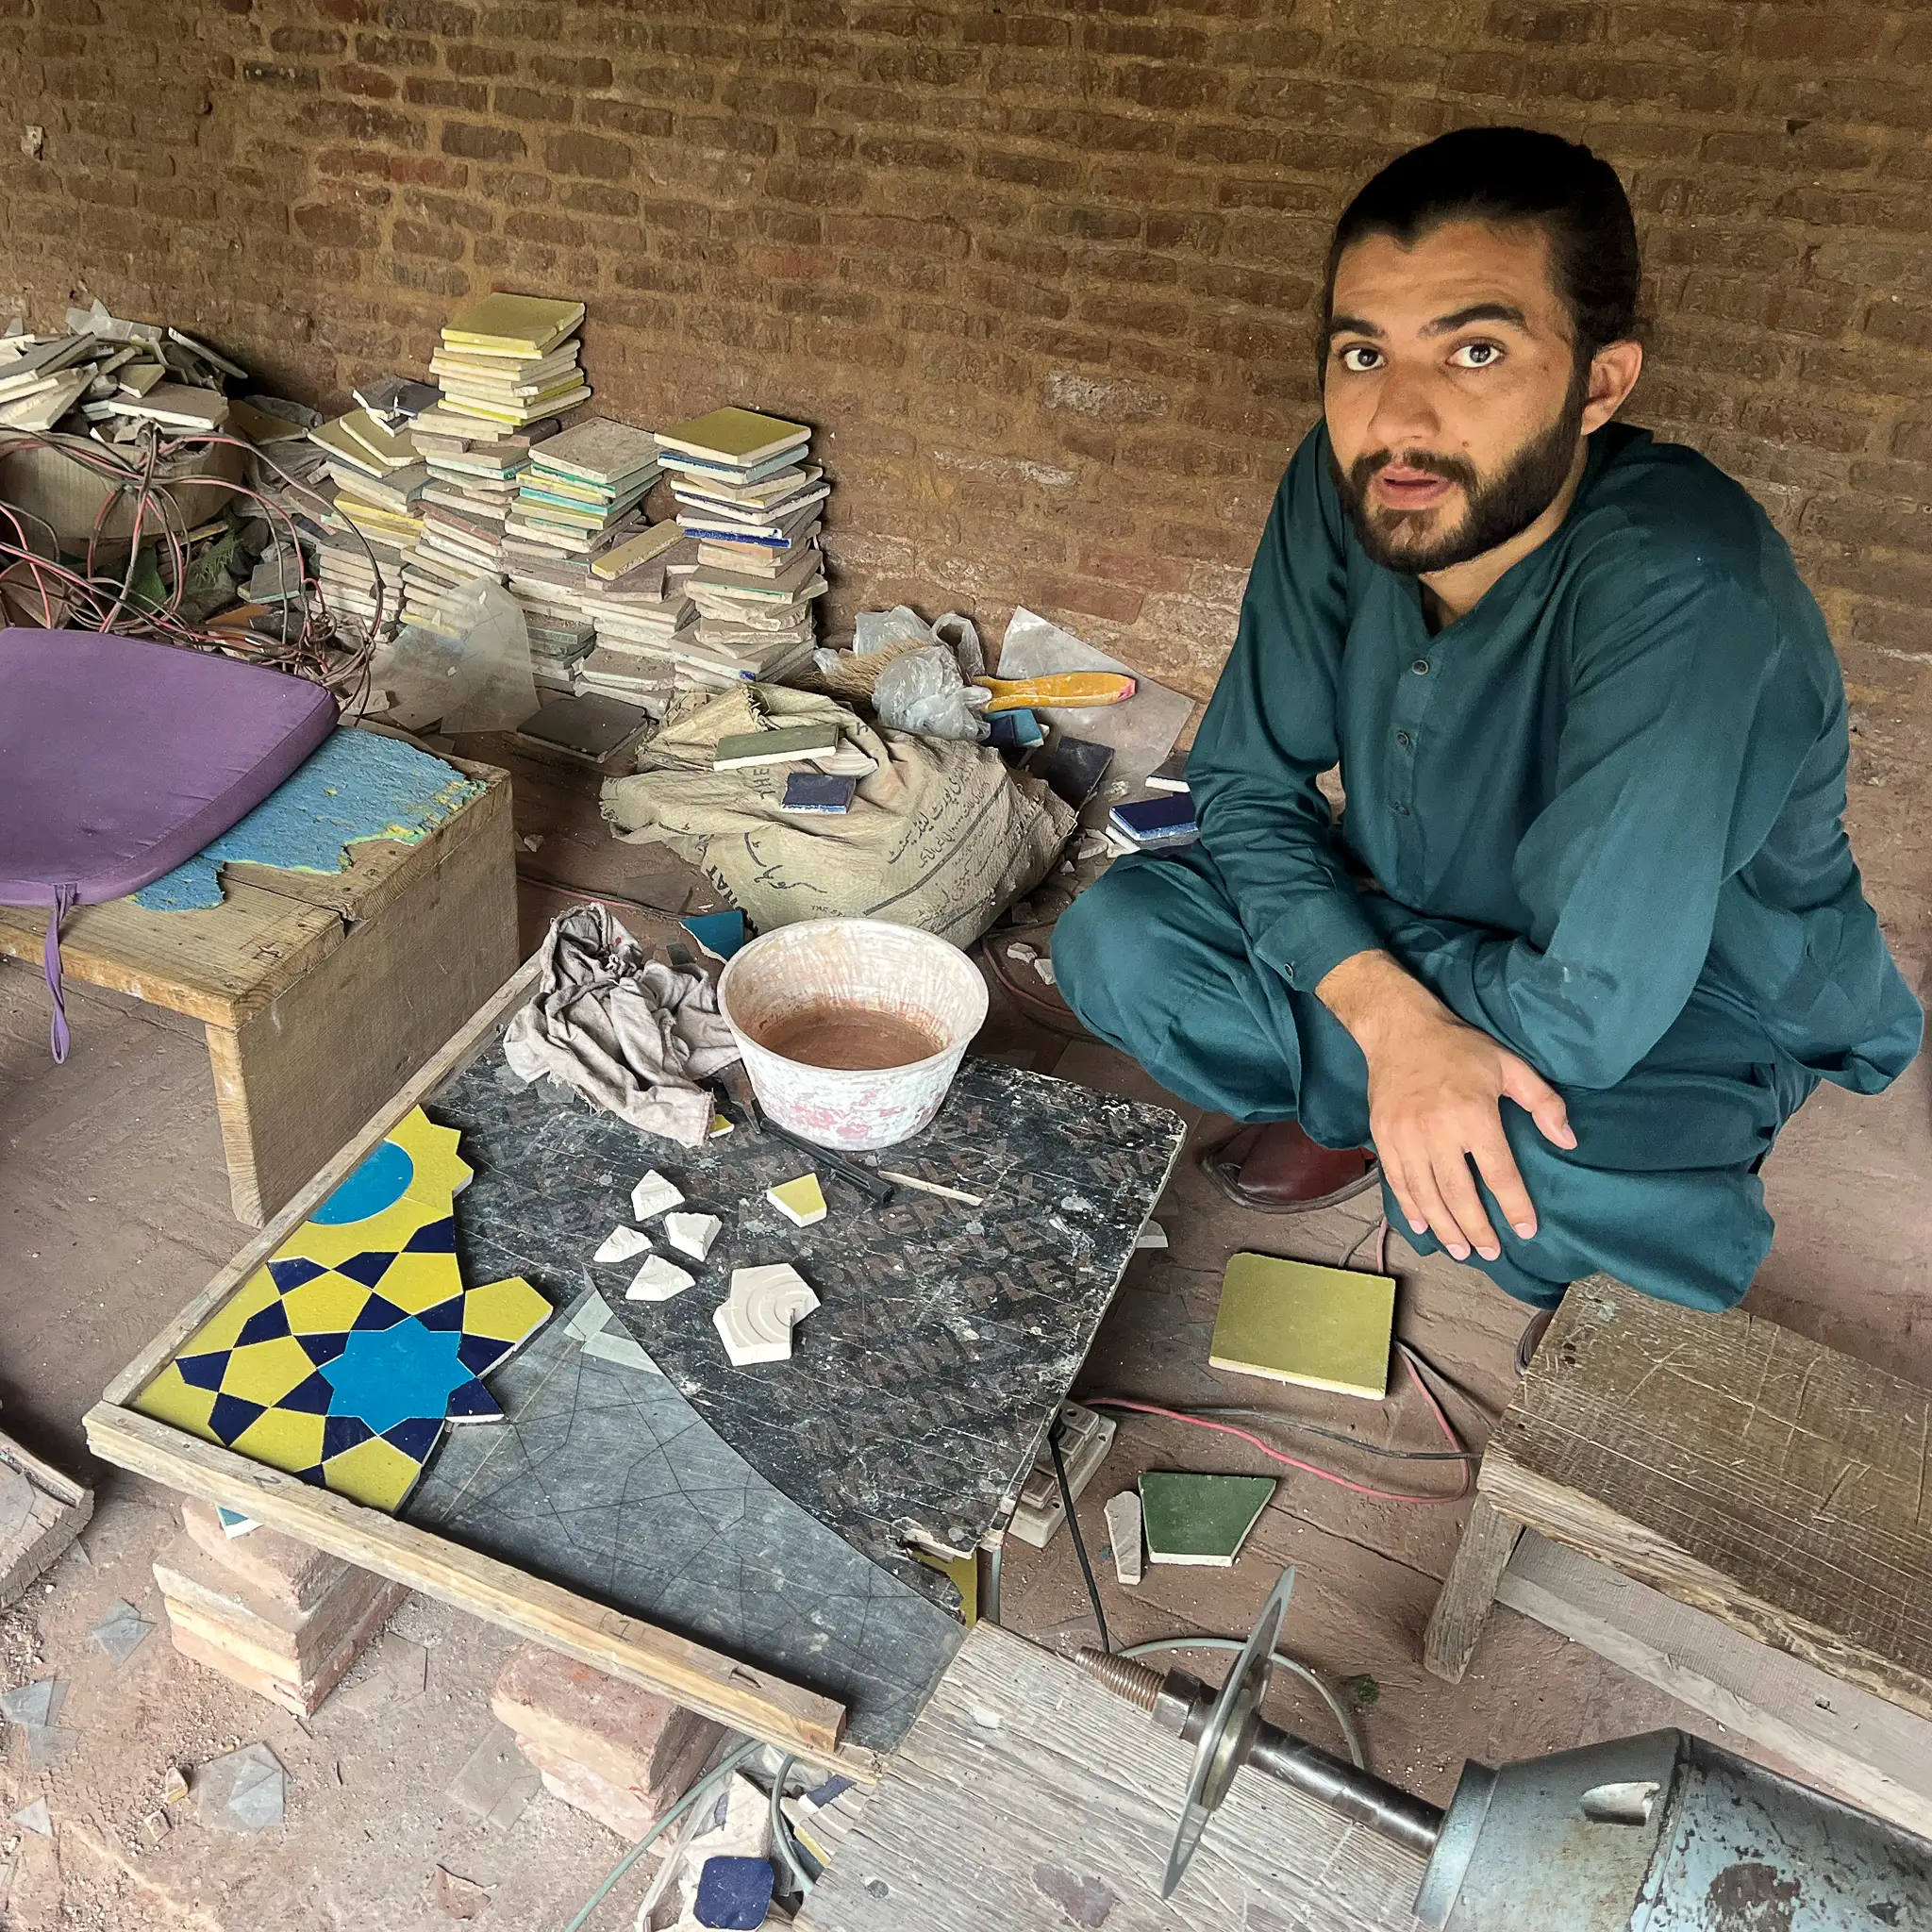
x: 1600, y: 816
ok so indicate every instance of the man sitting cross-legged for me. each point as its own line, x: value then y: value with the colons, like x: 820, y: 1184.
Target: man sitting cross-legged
x: 1589, y: 930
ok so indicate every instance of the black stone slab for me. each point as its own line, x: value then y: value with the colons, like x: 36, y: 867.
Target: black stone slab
x: 917, y: 1395
x: 606, y: 1480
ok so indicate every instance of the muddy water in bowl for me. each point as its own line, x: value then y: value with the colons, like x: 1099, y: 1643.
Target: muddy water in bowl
x: 851, y: 1029
x: 850, y: 1038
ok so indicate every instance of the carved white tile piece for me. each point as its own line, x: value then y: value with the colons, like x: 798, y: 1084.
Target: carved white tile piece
x: 1123, y: 1533
x: 653, y: 1195
x: 756, y: 1322
x: 621, y: 1243
x: 691, y: 1234
x: 658, y: 1280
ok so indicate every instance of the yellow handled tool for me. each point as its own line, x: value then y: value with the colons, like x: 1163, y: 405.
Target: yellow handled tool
x: 1064, y: 690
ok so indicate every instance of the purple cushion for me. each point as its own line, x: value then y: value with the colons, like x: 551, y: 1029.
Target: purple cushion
x: 120, y: 757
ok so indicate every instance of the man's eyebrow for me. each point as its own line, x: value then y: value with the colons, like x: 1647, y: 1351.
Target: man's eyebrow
x: 1477, y: 312
x: 1350, y: 325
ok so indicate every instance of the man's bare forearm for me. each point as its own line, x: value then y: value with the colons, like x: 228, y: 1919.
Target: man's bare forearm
x: 1373, y: 996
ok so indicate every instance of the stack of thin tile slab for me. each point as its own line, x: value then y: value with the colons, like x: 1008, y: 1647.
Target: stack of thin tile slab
x: 748, y: 495
x: 577, y: 497
x: 636, y: 597
x: 379, y: 478
x: 562, y: 636
x: 350, y: 568
x: 465, y: 505
x: 507, y: 361
x: 581, y: 490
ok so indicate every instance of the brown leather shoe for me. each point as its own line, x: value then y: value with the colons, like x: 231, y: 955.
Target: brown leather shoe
x: 1036, y: 997
x: 1276, y: 1169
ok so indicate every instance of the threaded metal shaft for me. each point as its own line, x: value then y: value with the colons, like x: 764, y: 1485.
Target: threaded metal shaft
x: 1123, y: 1676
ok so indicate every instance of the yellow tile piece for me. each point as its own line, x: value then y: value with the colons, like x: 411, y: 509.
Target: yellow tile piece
x: 264, y: 1372
x: 441, y: 1173
x: 169, y: 1399
x: 227, y: 1322
x: 283, y: 1439
x: 802, y: 1201
x: 1298, y: 1322
x: 327, y: 1306
x: 415, y: 1282
x: 720, y: 1126
x: 386, y: 1233
x: 504, y: 1310
x: 373, y: 1472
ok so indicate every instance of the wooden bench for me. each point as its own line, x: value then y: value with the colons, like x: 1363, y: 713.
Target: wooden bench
x: 321, y: 992
x: 1721, y: 1476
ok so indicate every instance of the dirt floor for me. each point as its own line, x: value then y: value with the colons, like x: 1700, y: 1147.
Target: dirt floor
x: 114, y: 1211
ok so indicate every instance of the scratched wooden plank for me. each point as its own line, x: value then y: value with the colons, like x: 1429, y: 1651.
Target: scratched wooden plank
x: 1737, y: 1468
x: 1866, y: 1748
x: 1028, y: 1798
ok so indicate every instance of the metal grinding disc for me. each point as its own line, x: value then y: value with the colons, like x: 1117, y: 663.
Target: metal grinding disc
x: 1230, y: 1730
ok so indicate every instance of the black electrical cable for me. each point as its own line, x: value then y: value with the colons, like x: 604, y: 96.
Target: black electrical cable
x: 1059, y: 1470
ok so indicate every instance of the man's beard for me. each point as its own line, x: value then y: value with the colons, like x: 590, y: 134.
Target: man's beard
x: 1499, y: 507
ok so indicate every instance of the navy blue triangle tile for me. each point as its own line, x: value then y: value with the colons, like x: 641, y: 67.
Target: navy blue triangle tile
x: 312, y: 1397
x: 293, y: 1273
x: 266, y: 1324
x: 367, y: 1268
x: 202, y: 1371
x: 322, y: 1349
x: 443, y: 1316
x: 231, y: 1415
x: 417, y: 1436
x: 341, y: 1432
x: 313, y: 1475
x: 479, y: 1353
x: 470, y: 1401
x: 433, y: 1238
x: 377, y: 1313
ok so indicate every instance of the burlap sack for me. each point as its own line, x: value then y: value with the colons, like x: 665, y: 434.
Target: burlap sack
x: 941, y: 835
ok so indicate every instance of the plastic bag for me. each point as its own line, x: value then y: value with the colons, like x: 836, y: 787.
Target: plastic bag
x: 891, y: 631
x: 876, y: 630
x: 924, y: 692
x: 479, y: 679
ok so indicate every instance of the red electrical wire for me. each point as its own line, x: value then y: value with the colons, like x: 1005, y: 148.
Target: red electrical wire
x: 1327, y: 1475
x: 99, y: 603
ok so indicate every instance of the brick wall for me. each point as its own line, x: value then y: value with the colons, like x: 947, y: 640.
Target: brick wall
x: 1042, y: 272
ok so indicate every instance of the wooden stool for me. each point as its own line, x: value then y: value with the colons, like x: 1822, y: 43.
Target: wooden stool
x: 321, y: 992
x: 1728, y: 1465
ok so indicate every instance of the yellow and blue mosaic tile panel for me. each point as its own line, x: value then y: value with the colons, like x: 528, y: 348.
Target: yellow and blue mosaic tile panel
x: 342, y: 1358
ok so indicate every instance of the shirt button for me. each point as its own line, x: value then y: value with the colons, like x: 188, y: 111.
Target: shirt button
x: 1403, y: 740
x: 1402, y: 811
x: 1421, y: 667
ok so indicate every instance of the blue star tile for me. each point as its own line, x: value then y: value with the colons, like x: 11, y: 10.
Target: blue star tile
x: 388, y: 1376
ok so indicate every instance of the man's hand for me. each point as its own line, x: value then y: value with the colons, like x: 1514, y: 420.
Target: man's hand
x: 1435, y: 1089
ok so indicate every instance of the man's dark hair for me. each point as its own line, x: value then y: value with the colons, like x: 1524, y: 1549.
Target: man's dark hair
x: 1514, y: 176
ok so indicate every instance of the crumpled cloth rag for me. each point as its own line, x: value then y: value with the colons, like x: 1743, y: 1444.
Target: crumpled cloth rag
x: 630, y: 1034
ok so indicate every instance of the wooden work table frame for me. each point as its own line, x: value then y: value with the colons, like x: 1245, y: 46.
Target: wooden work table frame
x: 318, y: 992
x: 747, y: 1699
